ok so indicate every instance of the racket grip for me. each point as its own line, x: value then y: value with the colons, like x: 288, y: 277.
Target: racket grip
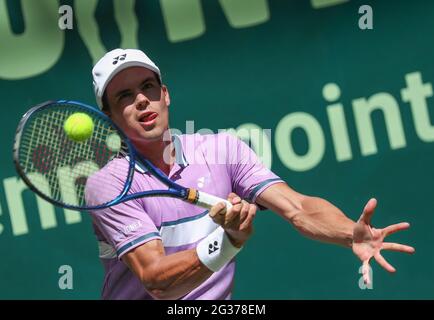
x: 206, y: 200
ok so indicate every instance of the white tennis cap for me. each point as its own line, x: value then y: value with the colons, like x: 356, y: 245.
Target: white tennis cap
x: 115, y: 61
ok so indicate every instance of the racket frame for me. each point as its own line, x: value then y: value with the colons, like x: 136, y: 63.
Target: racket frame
x: 190, y: 195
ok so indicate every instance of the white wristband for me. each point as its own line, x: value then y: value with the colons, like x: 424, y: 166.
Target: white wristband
x: 216, y: 250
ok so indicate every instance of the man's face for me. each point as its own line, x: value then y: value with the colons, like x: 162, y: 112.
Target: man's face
x: 138, y: 104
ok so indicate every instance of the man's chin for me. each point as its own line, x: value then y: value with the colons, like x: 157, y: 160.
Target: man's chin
x: 150, y: 136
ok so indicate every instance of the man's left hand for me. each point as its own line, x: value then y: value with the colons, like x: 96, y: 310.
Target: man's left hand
x: 368, y: 241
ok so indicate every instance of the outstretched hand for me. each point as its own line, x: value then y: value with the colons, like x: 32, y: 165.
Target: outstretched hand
x: 368, y: 241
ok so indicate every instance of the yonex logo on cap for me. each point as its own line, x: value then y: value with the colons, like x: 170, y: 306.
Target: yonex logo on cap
x: 213, y: 247
x: 121, y: 58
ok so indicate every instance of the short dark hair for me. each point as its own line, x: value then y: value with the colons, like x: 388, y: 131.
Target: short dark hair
x: 105, y: 103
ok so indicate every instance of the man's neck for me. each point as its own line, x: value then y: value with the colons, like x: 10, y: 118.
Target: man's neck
x: 160, y: 152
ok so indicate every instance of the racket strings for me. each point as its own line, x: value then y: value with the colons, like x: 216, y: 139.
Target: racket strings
x: 60, y: 167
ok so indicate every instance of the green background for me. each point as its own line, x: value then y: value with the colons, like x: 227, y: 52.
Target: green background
x: 227, y: 76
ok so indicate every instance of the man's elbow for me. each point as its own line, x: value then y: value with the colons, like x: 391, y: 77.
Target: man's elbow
x: 160, y: 294
x: 157, y: 287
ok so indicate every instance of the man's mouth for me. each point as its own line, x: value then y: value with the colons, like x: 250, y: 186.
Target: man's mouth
x: 148, y: 118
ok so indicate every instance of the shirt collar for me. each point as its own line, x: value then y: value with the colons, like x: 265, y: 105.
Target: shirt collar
x: 180, y: 158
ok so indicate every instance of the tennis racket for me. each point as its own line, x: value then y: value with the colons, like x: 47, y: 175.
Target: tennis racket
x: 60, y: 170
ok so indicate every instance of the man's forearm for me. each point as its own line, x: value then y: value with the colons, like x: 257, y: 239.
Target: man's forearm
x: 314, y: 217
x: 320, y: 220
x: 173, y: 276
x: 166, y: 276
x: 178, y: 274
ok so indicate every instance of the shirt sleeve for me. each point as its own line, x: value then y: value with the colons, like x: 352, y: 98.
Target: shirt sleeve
x: 124, y: 226
x: 249, y: 176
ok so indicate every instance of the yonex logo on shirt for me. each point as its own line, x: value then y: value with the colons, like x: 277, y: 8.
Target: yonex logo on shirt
x: 201, y: 182
x: 121, y: 58
x: 213, y: 247
x: 132, y: 227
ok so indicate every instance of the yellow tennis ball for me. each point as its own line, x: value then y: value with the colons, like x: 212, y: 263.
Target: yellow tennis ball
x: 78, y: 127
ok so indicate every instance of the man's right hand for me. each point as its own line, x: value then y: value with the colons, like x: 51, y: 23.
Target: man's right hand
x: 238, y: 221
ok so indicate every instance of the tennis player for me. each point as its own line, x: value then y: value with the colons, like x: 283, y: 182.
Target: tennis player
x: 163, y: 248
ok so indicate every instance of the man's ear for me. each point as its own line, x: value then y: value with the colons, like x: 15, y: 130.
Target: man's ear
x: 166, y: 95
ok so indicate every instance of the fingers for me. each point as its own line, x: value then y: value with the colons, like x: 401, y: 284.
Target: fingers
x: 243, y: 212
x: 216, y: 212
x: 238, y: 221
x: 250, y: 216
x: 239, y: 217
x: 368, y: 211
x: 235, y: 217
x: 233, y: 198
x: 395, y: 228
x: 382, y: 262
x: 397, y: 247
x: 233, y: 213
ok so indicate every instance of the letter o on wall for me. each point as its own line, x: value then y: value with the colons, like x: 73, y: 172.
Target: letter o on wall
x: 315, y: 137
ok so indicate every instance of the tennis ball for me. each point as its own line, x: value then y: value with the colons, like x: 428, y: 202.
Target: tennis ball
x: 78, y: 126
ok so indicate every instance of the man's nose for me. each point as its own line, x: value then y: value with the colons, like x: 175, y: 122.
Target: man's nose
x: 141, y: 101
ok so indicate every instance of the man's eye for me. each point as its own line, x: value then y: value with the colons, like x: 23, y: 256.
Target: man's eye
x: 124, y: 95
x: 148, y: 85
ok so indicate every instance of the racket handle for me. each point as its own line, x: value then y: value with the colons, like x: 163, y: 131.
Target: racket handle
x: 206, y: 200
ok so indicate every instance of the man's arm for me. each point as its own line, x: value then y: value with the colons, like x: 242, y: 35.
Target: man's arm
x: 166, y: 277
x: 314, y: 217
x: 173, y: 276
x: 319, y: 219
